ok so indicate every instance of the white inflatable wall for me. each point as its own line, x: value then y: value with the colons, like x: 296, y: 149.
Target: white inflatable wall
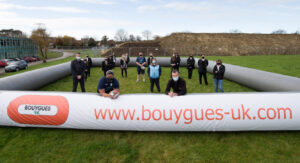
x: 144, y: 112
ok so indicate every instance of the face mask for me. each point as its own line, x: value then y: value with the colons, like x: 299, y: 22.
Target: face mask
x: 109, y: 80
x: 202, y: 57
x: 154, y: 62
x: 218, y: 63
x: 78, y: 58
x: 175, y: 78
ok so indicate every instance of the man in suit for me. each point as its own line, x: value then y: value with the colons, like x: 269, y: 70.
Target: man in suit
x: 78, y: 68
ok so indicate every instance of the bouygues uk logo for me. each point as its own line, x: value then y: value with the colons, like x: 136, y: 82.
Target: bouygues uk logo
x: 39, y: 110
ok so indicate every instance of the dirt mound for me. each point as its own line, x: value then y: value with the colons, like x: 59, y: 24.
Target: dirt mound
x: 214, y: 44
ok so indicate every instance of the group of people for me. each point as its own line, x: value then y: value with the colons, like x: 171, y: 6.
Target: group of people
x: 176, y: 86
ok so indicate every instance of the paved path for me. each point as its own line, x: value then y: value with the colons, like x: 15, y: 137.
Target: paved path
x: 65, y: 55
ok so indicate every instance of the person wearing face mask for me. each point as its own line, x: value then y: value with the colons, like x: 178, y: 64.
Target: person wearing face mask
x: 105, y: 66
x: 190, y: 66
x: 178, y: 60
x: 78, y: 68
x: 112, y: 61
x: 127, y: 58
x: 141, y: 62
x: 154, y: 73
x: 177, y: 84
x: 123, y: 65
x: 89, y: 63
x: 218, y: 71
x: 173, y: 63
x: 202, y: 69
x: 149, y: 60
x: 107, y: 84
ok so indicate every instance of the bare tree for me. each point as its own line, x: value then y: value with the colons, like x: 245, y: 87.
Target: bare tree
x: 235, y: 31
x: 41, y: 37
x: 147, y: 34
x: 138, y: 38
x: 279, y: 31
x: 121, y: 35
x: 131, y: 37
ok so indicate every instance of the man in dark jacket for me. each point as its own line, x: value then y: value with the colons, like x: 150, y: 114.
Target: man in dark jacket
x: 178, y: 60
x: 149, y: 60
x: 78, y: 68
x: 219, y: 71
x: 112, y: 61
x: 190, y: 66
x: 177, y: 84
x: 202, y: 69
x: 89, y: 63
x: 105, y: 66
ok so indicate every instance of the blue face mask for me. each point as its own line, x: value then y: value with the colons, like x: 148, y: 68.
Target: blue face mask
x: 175, y: 78
x: 154, y: 62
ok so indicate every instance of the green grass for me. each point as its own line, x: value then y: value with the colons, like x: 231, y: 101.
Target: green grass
x: 129, y: 85
x: 66, y: 145
x: 52, y: 54
x: 282, y: 64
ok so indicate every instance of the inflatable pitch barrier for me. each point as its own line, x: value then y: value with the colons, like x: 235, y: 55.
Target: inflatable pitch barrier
x: 141, y: 112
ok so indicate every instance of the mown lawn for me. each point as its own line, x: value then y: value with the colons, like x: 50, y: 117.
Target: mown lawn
x: 61, y: 145
x: 282, y: 64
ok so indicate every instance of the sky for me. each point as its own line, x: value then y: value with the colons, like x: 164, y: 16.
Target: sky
x: 96, y: 18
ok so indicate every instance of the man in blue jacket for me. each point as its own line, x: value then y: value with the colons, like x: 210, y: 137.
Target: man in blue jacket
x: 107, y: 85
x: 154, y: 73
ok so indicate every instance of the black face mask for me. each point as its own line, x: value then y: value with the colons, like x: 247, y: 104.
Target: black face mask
x: 202, y: 57
x: 109, y: 80
x: 218, y: 63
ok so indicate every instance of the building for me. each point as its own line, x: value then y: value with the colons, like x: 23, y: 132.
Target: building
x: 17, y: 47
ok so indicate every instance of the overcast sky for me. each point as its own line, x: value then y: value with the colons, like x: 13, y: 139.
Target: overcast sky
x: 96, y: 18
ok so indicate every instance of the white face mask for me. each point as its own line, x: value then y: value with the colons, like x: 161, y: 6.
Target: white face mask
x: 175, y: 78
x: 78, y: 58
x: 154, y: 62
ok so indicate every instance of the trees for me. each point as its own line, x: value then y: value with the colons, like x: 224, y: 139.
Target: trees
x: 131, y: 37
x: 41, y: 37
x: 121, y: 35
x: 92, y: 42
x: 279, y: 31
x: 138, y: 38
x: 104, y: 40
x: 147, y: 34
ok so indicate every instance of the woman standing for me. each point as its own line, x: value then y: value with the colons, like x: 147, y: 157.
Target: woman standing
x: 218, y: 72
x: 154, y: 73
x: 123, y: 64
x: 190, y: 66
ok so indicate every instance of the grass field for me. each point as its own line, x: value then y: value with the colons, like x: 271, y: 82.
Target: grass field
x: 61, y: 145
x: 282, y: 64
x: 52, y: 54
